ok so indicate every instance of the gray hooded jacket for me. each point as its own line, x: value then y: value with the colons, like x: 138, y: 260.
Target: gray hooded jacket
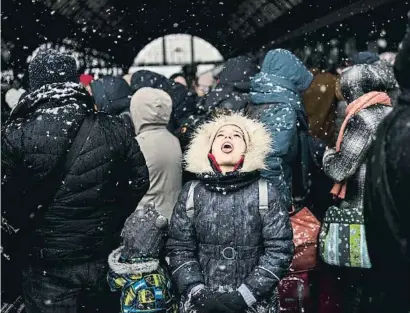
x: 150, y: 111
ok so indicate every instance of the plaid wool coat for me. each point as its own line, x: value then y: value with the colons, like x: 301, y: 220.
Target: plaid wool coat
x: 349, y: 164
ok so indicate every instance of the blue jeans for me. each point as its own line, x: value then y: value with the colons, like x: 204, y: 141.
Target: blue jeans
x: 68, y: 288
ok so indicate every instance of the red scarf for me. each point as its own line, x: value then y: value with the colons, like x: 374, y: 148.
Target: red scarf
x: 211, y: 157
x: 365, y: 101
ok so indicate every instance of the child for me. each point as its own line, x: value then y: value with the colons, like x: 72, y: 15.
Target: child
x: 230, y: 235
x: 135, y: 267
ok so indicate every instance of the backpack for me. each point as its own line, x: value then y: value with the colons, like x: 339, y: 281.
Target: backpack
x: 263, y: 198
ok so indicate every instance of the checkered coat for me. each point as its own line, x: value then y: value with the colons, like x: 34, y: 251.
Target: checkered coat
x: 349, y: 164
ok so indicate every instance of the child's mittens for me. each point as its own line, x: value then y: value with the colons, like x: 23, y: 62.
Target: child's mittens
x: 144, y: 233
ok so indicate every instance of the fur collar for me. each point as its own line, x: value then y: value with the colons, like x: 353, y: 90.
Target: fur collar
x: 130, y: 268
x: 259, y: 145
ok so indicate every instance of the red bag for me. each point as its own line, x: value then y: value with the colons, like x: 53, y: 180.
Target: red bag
x: 305, y: 238
x: 295, y: 290
x: 295, y: 293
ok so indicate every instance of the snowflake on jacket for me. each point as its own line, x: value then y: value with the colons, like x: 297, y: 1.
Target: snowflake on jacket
x: 225, y: 244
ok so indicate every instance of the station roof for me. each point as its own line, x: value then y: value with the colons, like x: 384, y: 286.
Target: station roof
x: 117, y: 30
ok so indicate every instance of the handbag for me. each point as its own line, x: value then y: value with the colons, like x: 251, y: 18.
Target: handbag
x: 342, y: 239
x: 305, y: 238
x: 13, y: 245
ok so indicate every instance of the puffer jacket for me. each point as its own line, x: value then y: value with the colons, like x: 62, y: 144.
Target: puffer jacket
x: 112, y: 95
x: 224, y: 242
x: 234, y: 84
x: 105, y: 183
x: 275, y: 95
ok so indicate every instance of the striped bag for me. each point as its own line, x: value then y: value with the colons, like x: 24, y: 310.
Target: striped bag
x: 342, y: 239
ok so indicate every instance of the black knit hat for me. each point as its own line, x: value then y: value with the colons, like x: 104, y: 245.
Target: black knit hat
x: 50, y: 66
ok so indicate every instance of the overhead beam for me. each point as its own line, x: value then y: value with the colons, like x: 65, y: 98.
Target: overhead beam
x: 355, y: 8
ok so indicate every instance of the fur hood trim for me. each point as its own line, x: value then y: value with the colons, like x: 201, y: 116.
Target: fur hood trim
x: 257, y: 139
x: 130, y: 268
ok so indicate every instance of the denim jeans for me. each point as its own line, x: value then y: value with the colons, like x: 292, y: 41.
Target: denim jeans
x: 68, y: 288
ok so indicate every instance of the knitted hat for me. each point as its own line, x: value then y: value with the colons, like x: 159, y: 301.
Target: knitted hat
x: 144, y: 234
x: 50, y: 66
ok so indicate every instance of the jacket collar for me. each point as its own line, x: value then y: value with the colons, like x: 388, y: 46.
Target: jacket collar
x: 56, y: 93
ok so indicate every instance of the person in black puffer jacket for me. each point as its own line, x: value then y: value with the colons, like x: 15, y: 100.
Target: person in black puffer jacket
x: 69, y: 246
x: 234, y: 84
x: 227, y: 249
x: 112, y: 95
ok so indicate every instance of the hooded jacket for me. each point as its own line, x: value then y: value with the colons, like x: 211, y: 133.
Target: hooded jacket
x: 101, y: 189
x: 183, y: 101
x: 112, y: 95
x: 150, y: 111
x: 223, y: 242
x: 275, y: 95
x: 234, y: 84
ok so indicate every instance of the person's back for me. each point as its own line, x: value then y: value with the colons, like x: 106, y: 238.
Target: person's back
x: 276, y: 101
x: 234, y: 84
x: 82, y: 223
x: 320, y: 104
x: 386, y: 209
x: 112, y: 95
x: 150, y: 111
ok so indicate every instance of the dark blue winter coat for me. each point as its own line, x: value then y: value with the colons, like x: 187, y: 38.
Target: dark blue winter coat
x: 112, y: 95
x: 275, y: 95
x: 232, y: 91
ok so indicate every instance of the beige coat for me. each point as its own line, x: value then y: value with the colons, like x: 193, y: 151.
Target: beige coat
x: 150, y: 112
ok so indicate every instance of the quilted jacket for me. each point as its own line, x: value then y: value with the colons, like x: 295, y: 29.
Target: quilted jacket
x: 104, y: 185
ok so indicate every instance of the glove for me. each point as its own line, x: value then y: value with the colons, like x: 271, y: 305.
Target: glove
x: 198, y: 297
x: 231, y: 302
x: 144, y: 233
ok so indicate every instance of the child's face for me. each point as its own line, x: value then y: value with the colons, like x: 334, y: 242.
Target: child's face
x: 229, y: 146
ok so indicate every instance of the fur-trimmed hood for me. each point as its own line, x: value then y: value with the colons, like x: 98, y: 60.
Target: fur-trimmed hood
x: 130, y: 268
x: 257, y: 139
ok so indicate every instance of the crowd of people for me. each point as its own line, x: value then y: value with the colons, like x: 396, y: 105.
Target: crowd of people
x: 283, y: 188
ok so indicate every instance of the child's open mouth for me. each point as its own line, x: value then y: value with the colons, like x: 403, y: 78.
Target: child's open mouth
x: 227, y: 147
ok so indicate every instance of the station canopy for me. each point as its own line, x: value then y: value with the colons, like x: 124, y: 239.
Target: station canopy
x: 116, y: 30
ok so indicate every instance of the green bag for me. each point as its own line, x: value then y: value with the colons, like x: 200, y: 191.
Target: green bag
x: 342, y: 238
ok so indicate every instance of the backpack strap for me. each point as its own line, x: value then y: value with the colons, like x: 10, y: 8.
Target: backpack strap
x: 190, y: 199
x: 263, y: 197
